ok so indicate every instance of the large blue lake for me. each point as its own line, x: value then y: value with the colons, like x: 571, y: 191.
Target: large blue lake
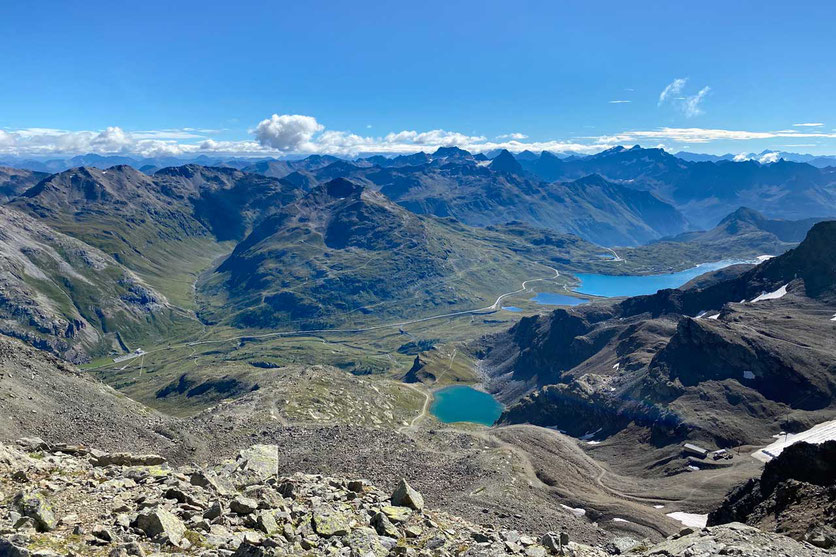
x: 461, y: 403
x: 635, y: 285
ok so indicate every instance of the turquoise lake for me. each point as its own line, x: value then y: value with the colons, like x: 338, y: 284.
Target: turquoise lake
x: 633, y: 285
x: 461, y: 403
x: 553, y: 299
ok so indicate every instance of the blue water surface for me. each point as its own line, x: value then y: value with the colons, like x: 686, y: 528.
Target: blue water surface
x: 461, y: 403
x: 553, y: 299
x: 515, y: 309
x: 634, y: 285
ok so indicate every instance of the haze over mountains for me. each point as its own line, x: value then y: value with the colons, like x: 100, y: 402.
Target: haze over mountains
x: 238, y: 284
x: 451, y: 182
x: 300, y: 231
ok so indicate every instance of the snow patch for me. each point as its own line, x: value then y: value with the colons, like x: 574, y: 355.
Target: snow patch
x: 617, y: 365
x: 658, y: 506
x: 834, y: 317
x: 619, y: 519
x: 700, y: 315
x: 577, y: 511
x: 780, y: 293
x: 748, y: 374
x: 715, y: 316
x: 817, y: 434
x: 690, y: 519
x: 762, y: 258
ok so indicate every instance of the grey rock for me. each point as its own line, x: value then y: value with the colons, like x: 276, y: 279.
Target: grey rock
x: 384, y: 526
x: 405, y: 496
x: 259, y: 461
x: 364, y: 542
x: 9, y: 549
x: 621, y: 545
x: 160, y: 523
x: 35, y: 505
x: 243, y: 505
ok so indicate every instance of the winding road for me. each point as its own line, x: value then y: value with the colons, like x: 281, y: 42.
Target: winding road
x: 488, y: 309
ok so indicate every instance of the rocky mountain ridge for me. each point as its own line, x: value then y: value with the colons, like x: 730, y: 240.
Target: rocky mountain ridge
x: 727, y: 362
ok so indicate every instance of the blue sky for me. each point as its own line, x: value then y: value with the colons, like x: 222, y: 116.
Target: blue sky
x: 182, y: 77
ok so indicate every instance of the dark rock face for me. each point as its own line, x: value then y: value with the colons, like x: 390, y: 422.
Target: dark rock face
x: 733, y: 376
x: 795, y: 495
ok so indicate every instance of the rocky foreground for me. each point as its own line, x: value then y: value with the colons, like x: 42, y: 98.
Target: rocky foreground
x: 72, y: 501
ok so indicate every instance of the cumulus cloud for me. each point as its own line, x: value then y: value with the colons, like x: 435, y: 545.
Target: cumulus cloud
x: 297, y: 134
x: 288, y: 132
x: 672, y: 90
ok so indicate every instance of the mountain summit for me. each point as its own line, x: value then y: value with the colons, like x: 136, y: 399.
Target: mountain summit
x: 505, y: 162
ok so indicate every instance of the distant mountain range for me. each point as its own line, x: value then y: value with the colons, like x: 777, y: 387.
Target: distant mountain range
x: 370, y: 239
x: 765, y: 157
x: 703, y: 188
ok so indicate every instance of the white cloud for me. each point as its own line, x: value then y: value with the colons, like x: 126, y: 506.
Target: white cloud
x: 288, y: 132
x: 703, y: 135
x: 673, y: 88
x: 619, y: 102
x: 691, y: 105
x: 297, y: 134
x: 809, y: 125
x: 768, y: 158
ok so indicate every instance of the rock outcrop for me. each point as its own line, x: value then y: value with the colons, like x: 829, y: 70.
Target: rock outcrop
x: 68, y: 503
x: 795, y: 496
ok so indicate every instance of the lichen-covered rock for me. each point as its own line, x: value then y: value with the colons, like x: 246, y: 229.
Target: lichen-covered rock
x: 329, y: 523
x: 259, y: 462
x: 35, y: 506
x: 365, y: 542
x: 313, y: 516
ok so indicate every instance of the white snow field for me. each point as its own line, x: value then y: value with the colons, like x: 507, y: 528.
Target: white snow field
x: 780, y: 293
x: 817, y: 434
x: 690, y: 519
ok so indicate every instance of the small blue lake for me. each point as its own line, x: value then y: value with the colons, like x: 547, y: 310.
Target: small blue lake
x: 635, y: 285
x: 461, y: 403
x: 515, y: 309
x: 553, y: 299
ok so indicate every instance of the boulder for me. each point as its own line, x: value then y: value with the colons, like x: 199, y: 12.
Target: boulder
x: 243, y: 505
x: 159, y: 523
x: 396, y: 514
x: 384, y: 526
x: 405, y: 496
x: 9, y: 549
x: 330, y: 523
x: 259, y: 461
x: 35, y: 506
x: 32, y: 444
x: 266, y: 522
x: 364, y: 542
